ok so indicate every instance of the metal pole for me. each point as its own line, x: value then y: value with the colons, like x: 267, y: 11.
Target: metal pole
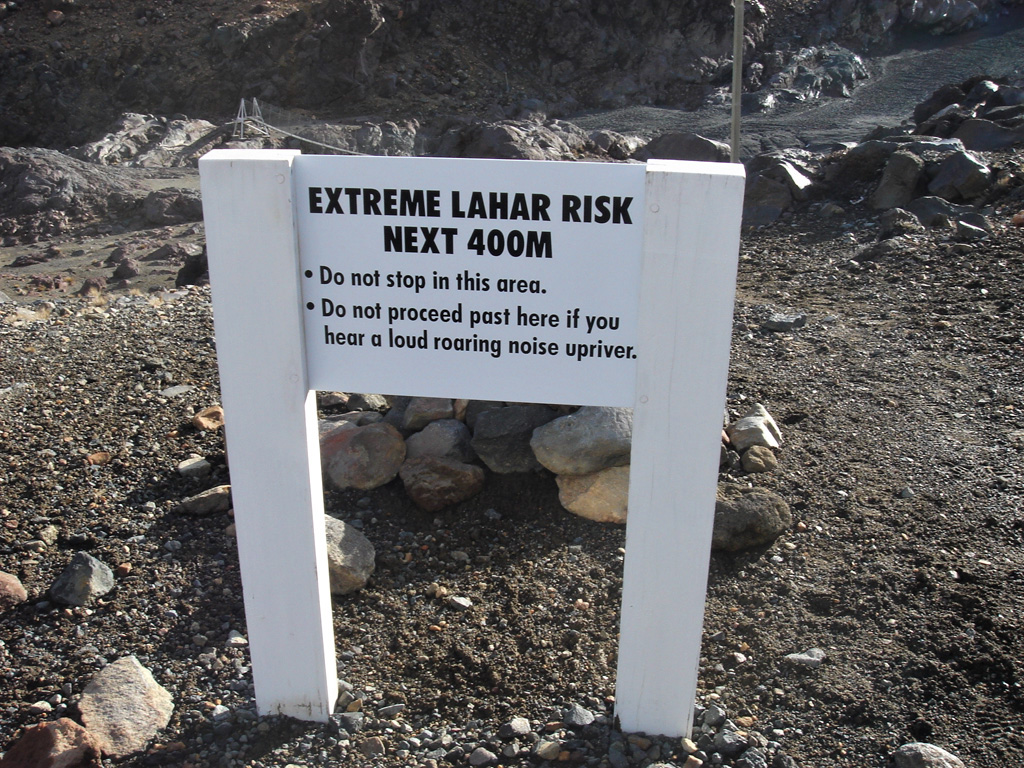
x: 737, y: 78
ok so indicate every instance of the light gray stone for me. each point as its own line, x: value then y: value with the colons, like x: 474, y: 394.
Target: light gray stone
x: 481, y: 756
x: 756, y: 427
x: 350, y: 557
x: 577, y: 716
x: 748, y: 517
x: 82, y: 581
x: 798, y: 184
x: 601, y: 496
x: 195, y: 466
x: 124, y: 707
x: 422, y: 410
x: 445, y: 438
x: 589, y: 440
x: 918, y: 754
x: 517, y: 726
x: 812, y: 658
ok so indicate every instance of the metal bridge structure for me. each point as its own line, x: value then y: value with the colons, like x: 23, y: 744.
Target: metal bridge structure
x: 256, y: 120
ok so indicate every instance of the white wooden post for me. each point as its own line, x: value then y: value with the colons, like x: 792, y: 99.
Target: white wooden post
x: 688, y: 279
x: 271, y: 429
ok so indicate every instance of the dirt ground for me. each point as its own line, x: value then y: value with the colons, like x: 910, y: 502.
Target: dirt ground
x: 900, y: 404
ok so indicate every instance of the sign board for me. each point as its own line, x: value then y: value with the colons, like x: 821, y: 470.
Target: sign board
x: 524, y: 277
x: 576, y: 283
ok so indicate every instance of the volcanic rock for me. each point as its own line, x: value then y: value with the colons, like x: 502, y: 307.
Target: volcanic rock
x: 748, y: 517
x: 601, y: 496
x: 435, y: 482
x: 591, y: 439
x: 350, y: 557
x: 124, y: 707
x: 362, y: 457
x: 82, y: 581
x: 62, y: 743
x: 501, y: 437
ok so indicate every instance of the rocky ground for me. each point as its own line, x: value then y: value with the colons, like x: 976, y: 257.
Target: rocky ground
x: 885, y: 344
x: 899, y: 403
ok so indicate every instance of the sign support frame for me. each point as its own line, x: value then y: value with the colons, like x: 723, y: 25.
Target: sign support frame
x: 691, y: 241
x: 271, y: 429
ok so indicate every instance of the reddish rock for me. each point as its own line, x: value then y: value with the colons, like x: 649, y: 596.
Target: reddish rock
x: 362, y: 457
x: 435, y: 482
x: 11, y: 591
x: 60, y: 744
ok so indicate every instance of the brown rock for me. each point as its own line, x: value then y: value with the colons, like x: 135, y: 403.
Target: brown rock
x: 12, y: 592
x: 209, y: 419
x: 435, y: 482
x: 600, y: 496
x: 217, y: 499
x: 759, y: 458
x: 60, y: 744
x: 748, y: 517
x: 93, y: 286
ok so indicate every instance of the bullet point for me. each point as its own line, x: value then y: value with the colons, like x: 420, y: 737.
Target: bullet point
x: 309, y: 273
x: 310, y: 305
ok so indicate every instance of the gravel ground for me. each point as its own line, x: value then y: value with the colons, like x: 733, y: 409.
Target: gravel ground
x: 900, y: 402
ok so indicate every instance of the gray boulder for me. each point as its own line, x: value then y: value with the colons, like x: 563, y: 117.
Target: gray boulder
x: 684, y: 146
x: 501, y: 437
x: 591, y: 439
x: 748, y: 517
x: 766, y: 199
x: 350, y: 557
x: 933, y: 211
x: 420, y: 411
x: 172, y: 205
x: 899, y: 181
x: 961, y: 175
x: 986, y: 135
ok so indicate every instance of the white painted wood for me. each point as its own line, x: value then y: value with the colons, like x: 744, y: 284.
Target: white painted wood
x: 688, y: 279
x: 271, y: 429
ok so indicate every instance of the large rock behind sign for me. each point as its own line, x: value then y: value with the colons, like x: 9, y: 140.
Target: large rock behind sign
x: 501, y: 437
x: 362, y: 457
x: 589, y: 440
